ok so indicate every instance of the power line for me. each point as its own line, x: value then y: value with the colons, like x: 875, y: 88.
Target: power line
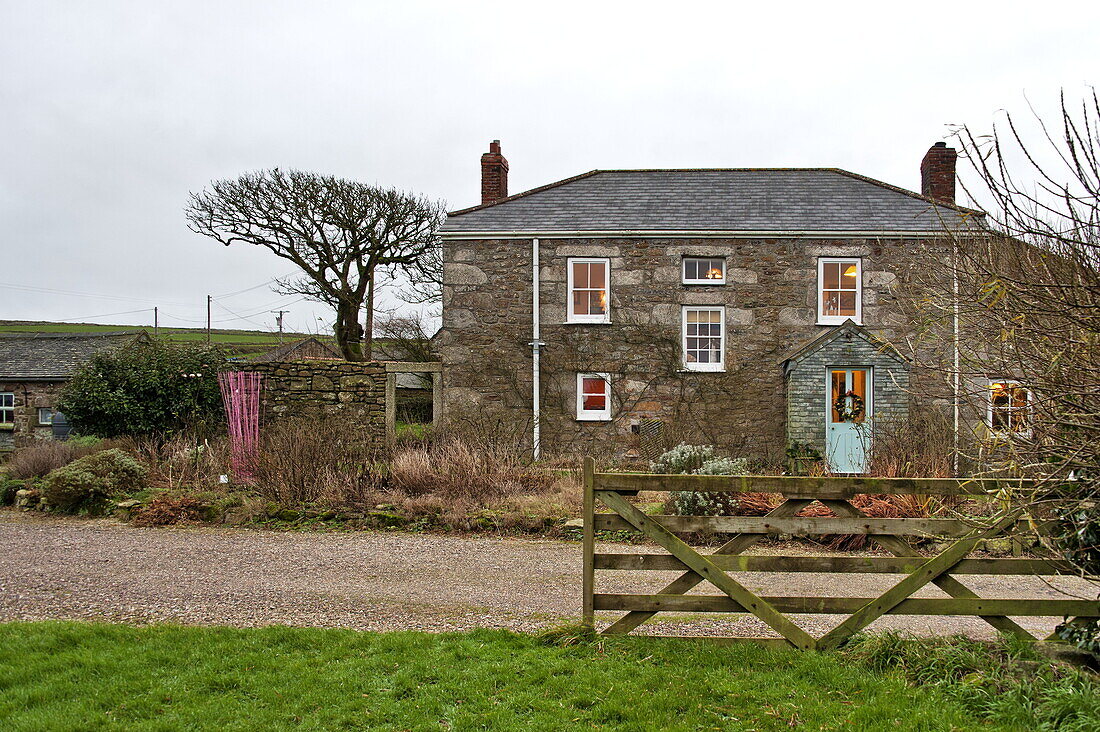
x: 104, y: 315
x: 53, y: 291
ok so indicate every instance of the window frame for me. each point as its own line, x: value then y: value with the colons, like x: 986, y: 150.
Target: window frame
x: 4, y: 422
x: 1028, y: 409
x: 570, y: 316
x: 593, y: 415
x: 720, y: 365
x: 38, y: 416
x: 683, y: 271
x: 822, y: 318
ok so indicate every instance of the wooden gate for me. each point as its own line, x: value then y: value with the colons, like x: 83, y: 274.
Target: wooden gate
x: 613, y: 489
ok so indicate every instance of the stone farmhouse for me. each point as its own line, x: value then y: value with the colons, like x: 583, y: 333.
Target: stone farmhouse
x: 752, y: 309
x: 33, y: 368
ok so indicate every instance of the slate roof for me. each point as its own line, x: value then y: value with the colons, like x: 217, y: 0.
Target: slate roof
x: 53, y: 356
x: 846, y: 329
x: 736, y: 200
x: 309, y: 349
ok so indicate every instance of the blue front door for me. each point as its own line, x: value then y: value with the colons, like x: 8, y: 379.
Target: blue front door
x: 847, y: 419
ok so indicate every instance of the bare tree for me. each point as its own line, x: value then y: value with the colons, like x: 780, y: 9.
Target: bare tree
x: 1023, y: 298
x: 342, y: 234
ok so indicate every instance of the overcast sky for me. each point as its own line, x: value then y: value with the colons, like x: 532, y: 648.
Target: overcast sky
x: 110, y: 113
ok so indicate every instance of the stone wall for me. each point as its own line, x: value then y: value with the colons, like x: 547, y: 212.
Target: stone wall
x: 312, y: 389
x: 29, y: 396
x: 770, y: 301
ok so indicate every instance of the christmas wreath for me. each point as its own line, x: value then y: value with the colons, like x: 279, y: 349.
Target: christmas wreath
x: 848, y: 411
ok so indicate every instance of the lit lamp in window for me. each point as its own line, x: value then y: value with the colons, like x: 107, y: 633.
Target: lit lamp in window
x: 852, y: 271
x: 714, y: 273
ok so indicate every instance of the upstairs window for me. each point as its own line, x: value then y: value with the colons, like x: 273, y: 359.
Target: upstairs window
x: 589, y: 291
x: 7, y: 407
x: 594, y: 397
x: 704, y: 271
x: 839, y: 291
x: 704, y: 340
x: 1009, y: 409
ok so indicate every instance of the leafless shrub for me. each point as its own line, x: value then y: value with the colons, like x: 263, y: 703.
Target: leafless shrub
x: 44, y: 456
x: 455, y: 469
x: 181, y: 461
x: 316, y: 461
x: 918, y: 447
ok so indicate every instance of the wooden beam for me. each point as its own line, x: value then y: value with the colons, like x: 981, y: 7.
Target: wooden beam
x: 437, y: 400
x: 706, y: 569
x: 391, y: 410
x: 845, y: 605
x: 794, y: 486
x: 799, y: 525
x: 690, y: 579
x: 862, y: 565
x: 588, y: 545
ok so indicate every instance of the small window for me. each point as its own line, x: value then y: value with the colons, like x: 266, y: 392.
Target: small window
x: 593, y: 397
x: 704, y: 271
x: 45, y: 415
x: 704, y: 339
x: 839, y: 291
x: 1009, y: 409
x: 7, y: 408
x: 589, y: 291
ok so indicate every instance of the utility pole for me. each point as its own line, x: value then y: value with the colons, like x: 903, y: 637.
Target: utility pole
x: 279, y: 319
x: 208, y: 299
x: 156, y: 320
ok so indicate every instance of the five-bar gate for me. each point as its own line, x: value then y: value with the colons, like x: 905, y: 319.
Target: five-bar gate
x: 613, y: 490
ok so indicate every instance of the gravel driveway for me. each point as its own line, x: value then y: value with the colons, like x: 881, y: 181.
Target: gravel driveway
x: 53, y: 567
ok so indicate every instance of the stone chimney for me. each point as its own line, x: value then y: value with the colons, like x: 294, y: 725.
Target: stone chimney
x: 494, y: 175
x: 937, y: 173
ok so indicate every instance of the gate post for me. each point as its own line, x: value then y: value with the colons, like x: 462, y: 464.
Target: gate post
x: 589, y: 543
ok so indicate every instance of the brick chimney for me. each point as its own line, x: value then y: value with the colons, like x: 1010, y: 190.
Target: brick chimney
x: 494, y: 174
x: 937, y: 173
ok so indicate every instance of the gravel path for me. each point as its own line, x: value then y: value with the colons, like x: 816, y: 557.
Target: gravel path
x: 53, y: 567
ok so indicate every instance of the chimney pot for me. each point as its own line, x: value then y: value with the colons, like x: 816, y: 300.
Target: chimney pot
x: 937, y: 173
x: 494, y: 175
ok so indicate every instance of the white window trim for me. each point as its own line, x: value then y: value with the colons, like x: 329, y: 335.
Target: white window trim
x: 1009, y: 434
x: 683, y: 272
x: 12, y: 408
x: 693, y: 366
x: 839, y: 319
x: 38, y: 416
x: 570, y: 317
x: 593, y: 415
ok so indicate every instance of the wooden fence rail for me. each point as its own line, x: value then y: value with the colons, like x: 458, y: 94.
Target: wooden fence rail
x: 613, y: 491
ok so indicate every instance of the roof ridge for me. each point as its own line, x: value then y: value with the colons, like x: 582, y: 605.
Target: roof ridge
x: 838, y: 171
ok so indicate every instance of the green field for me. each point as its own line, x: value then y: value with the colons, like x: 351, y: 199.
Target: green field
x: 75, y: 676
x: 236, y: 342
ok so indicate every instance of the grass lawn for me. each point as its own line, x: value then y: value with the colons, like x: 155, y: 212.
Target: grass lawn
x: 61, y: 676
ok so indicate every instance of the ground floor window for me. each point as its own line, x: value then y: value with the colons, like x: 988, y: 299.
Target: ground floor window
x: 593, y: 397
x: 1009, y: 408
x: 7, y: 407
x: 45, y: 415
x: 704, y: 338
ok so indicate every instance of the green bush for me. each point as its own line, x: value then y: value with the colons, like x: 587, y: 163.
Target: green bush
x: 90, y: 481
x: 146, y: 388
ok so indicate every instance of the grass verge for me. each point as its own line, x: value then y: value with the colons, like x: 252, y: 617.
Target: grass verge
x: 62, y: 676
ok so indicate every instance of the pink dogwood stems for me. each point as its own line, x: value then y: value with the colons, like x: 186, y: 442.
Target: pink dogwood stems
x: 241, y: 394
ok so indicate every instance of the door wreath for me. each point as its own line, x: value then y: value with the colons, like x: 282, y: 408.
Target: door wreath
x: 848, y: 411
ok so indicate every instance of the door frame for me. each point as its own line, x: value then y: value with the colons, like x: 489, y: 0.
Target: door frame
x: 868, y: 402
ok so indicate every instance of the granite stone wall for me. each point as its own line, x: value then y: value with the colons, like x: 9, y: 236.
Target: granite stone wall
x: 29, y: 396
x: 769, y: 298
x: 313, y: 389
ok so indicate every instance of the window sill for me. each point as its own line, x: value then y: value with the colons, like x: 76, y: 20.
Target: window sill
x: 7, y: 427
x: 702, y: 371
x: 587, y: 322
x: 594, y: 419
x: 695, y: 283
x: 840, y: 321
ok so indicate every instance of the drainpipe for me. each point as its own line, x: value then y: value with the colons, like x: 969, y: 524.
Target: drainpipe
x: 957, y: 376
x: 535, y: 344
